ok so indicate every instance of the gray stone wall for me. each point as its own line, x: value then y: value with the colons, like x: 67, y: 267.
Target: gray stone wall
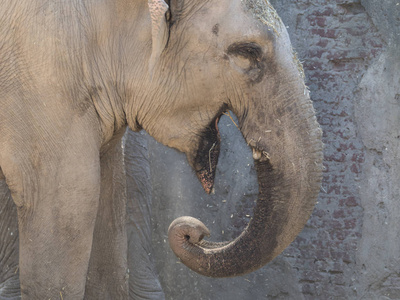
x: 377, y: 107
x: 350, y: 248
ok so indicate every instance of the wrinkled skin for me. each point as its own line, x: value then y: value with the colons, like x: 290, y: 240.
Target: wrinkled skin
x: 9, y: 281
x: 74, y: 74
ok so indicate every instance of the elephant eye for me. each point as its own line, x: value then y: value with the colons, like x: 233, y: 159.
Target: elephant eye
x: 248, y: 59
x: 244, y: 64
x: 250, y: 51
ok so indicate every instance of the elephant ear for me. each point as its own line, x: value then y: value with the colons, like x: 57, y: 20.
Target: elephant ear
x: 159, y: 29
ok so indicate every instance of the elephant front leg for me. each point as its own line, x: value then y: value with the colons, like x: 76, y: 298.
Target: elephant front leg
x: 107, y: 276
x: 57, y: 195
x: 56, y: 233
x: 143, y: 279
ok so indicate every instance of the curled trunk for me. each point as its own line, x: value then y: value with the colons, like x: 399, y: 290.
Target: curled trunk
x: 289, y: 165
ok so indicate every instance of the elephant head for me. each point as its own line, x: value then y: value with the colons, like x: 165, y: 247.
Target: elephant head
x: 209, y: 57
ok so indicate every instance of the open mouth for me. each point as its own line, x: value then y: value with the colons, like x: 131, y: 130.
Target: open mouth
x: 207, y: 155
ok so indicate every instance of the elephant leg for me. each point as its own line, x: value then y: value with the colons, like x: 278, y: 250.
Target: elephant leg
x: 9, y: 278
x: 143, y: 279
x: 53, y: 173
x: 57, y: 195
x: 107, y: 276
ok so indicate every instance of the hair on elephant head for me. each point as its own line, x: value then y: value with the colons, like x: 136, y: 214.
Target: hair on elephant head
x: 235, y: 55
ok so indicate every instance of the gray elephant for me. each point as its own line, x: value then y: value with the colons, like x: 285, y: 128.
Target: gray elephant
x: 74, y: 74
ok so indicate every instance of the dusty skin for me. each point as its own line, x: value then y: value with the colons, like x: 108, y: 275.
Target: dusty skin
x: 74, y: 74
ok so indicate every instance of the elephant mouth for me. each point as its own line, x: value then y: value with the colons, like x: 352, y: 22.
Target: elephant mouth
x: 206, y: 159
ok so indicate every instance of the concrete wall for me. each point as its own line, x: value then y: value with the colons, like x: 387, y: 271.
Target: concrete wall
x: 350, y: 248
x: 377, y: 110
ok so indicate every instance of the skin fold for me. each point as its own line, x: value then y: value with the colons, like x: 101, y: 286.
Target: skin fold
x: 74, y: 74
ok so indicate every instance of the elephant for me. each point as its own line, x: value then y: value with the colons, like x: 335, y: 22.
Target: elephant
x: 74, y: 74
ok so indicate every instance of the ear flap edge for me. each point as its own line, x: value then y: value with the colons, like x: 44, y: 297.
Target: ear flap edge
x: 159, y: 30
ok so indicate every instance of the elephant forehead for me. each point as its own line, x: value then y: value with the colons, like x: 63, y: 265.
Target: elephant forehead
x: 263, y: 11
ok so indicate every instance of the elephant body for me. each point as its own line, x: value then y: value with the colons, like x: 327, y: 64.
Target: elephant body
x: 74, y: 74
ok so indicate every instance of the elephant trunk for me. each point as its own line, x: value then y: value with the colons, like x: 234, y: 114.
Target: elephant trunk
x: 257, y: 245
x: 287, y: 148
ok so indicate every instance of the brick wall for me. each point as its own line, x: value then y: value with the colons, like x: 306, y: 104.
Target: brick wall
x: 337, y: 41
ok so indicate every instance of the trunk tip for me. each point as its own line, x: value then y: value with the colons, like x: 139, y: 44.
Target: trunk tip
x: 187, y: 229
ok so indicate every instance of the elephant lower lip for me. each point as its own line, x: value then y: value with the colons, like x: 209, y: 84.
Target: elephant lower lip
x: 207, y: 155
x: 206, y: 181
